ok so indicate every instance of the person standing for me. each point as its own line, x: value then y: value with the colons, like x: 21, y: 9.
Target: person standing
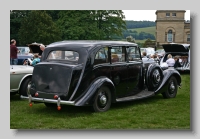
x: 170, y: 61
x: 13, y: 53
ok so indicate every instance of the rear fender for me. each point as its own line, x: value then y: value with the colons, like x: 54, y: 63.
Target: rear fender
x: 167, y: 74
x: 89, y: 94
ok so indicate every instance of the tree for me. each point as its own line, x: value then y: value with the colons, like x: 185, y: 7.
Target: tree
x: 91, y: 24
x: 38, y: 27
x: 110, y: 22
x: 77, y: 25
x: 16, y: 17
x: 130, y: 39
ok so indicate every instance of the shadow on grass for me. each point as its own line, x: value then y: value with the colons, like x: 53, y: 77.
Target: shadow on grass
x: 15, y: 97
x: 78, y: 111
x: 184, y: 72
x: 150, y: 100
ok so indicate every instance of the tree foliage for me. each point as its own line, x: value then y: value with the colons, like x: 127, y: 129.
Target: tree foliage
x: 38, y: 26
x: 91, y: 24
x: 48, y: 26
x: 16, y: 16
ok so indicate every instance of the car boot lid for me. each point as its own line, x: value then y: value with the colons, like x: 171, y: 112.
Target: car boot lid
x: 174, y: 47
x: 35, y: 48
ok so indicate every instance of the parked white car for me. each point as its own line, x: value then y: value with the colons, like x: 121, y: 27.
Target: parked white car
x: 20, y: 78
x: 181, y: 51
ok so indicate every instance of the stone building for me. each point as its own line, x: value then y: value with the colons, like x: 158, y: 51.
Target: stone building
x: 171, y: 27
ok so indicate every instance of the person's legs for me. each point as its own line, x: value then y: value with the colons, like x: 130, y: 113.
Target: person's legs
x: 11, y: 61
x: 15, y: 61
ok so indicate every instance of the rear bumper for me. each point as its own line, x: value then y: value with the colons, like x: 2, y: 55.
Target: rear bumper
x: 43, y: 100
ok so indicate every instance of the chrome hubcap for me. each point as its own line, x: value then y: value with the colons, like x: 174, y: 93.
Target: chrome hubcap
x: 103, y: 100
x: 156, y: 76
x: 28, y: 88
x: 172, y: 87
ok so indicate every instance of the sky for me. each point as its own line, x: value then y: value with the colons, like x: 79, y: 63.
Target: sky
x: 148, y: 15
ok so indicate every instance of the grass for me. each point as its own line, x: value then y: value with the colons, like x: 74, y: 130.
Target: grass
x: 150, y: 113
x: 150, y: 30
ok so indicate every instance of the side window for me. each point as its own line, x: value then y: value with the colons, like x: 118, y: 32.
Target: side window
x: 133, y: 53
x: 101, y: 56
x: 117, y: 54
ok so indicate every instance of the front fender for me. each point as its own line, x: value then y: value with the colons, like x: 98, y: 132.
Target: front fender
x: 86, y: 99
x: 167, y: 74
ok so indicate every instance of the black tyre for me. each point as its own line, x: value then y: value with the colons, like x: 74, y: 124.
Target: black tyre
x: 24, y: 86
x: 172, y: 88
x: 102, y: 100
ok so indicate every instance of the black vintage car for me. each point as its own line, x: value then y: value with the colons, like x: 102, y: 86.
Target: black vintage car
x: 97, y: 74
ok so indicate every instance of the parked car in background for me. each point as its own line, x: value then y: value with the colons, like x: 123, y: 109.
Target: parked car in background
x: 20, y: 78
x: 28, y: 52
x: 97, y: 74
x: 20, y: 75
x: 179, y: 50
x: 24, y: 54
x: 160, y: 52
x: 149, y: 51
x: 35, y: 48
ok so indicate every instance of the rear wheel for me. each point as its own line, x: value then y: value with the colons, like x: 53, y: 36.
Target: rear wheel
x: 102, y: 101
x: 172, y: 88
x: 24, y: 86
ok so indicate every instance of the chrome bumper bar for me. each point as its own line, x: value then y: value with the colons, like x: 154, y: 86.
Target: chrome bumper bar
x: 43, y: 100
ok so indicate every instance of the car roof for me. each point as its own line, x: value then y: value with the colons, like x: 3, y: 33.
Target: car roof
x: 88, y: 44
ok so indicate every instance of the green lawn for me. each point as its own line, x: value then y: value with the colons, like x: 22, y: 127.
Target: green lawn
x: 150, y: 113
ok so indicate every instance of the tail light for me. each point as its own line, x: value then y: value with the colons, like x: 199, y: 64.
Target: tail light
x: 55, y: 97
x: 36, y: 94
x: 59, y: 108
x: 30, y: 104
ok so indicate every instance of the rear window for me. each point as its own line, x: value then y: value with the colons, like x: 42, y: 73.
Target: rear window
x: 71, y: 56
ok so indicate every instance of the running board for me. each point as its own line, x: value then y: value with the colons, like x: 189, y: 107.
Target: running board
x: 141, y: 95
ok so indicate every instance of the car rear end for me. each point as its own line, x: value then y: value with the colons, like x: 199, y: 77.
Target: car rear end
x: 55, y: 79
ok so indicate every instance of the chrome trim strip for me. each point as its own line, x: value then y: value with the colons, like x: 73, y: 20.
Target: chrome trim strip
x: 58, y: 102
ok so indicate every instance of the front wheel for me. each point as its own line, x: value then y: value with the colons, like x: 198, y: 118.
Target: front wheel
x: 172, y: 88
x: 102, y: 101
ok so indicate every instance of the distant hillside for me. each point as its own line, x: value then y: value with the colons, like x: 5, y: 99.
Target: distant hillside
x: 139, y: 24
x: 150, y: 30
x: 139, y: 30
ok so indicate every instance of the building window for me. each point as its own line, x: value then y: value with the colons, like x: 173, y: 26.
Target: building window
x: 169, y: 36
x: 173, y: 14
x: 167, y: 14
x: 188, y: 37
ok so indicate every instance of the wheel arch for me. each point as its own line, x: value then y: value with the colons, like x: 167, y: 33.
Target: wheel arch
x: 89, y: 94
x: 25, y: 77
x: 167, y: 74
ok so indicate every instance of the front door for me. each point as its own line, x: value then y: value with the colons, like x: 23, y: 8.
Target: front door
x: 134, y: 66
x: 118, y: 70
